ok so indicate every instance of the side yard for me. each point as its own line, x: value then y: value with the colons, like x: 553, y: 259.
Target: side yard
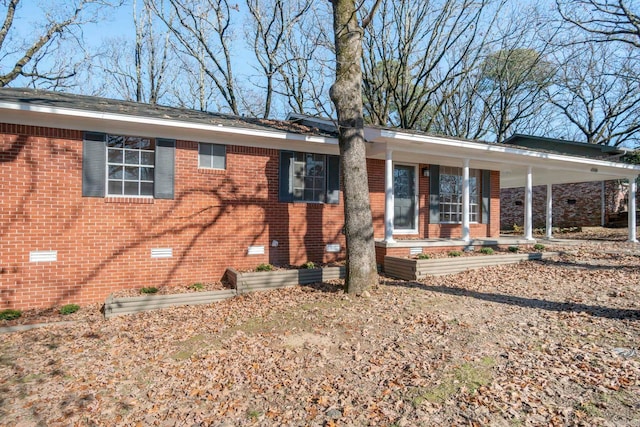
x: 538, y: 343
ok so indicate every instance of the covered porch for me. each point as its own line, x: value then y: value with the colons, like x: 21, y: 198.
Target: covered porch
x: 517, y: 167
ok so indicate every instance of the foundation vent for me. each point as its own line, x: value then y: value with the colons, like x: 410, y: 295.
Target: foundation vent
x: 333, y: 247
x: 161, y: 252
x: 255, y: 250
x: 43, y: 256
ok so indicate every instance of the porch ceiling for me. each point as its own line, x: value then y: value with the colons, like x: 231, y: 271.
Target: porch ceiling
x: 547, y: 168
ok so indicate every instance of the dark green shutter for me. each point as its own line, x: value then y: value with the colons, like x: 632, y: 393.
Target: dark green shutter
x: 486, y: 196
x: 164, y: 168
x: 434, y: 194
x: 94, y: 163
x: 333, y: 179
x: 284, y: 188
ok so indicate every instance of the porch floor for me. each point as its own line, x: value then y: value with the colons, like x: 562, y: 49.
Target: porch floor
x: 447, y: 243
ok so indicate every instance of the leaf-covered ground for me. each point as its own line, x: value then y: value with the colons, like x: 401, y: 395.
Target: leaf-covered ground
x: 538, y: 343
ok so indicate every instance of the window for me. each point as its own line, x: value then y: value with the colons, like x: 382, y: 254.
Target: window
x: 130, y: 166
x: 212, y: 156
x: 114, y: 165
x: 451, y: 194
x: 309, y: 177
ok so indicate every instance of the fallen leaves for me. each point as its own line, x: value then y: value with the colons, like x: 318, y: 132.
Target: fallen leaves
x: 539, y: 343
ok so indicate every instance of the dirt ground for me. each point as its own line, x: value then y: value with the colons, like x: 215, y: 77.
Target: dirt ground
x: 549, y: 342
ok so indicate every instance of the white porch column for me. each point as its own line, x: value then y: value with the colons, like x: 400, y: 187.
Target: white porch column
x: 632, y: 209
x: 528, y: 201
x: 466, y: 234
x: 549, y: 211
x: 603, y: 204
x: 388, y: 197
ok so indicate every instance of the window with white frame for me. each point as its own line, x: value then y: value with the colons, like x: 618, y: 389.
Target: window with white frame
x: 130, y: 166
x: 212, y: 156
x: 451, y: 194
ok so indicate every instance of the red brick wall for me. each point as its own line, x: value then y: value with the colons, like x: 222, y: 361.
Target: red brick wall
x: 587, y: 210
x: 104, y: 244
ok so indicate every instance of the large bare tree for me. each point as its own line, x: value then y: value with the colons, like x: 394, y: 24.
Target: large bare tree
x: 35, y: 56
x: 597, y: 89
x: 408, y: 60
x: 604, y: 20
x: 142, y: 69
x: 271, y: 27
x: 203, y: 31
x: 307, y: 69
x: 346, y: 94
x: 516, y: 72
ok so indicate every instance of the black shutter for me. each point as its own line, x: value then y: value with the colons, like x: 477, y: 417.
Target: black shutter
x: 164, y: 168
x: 284, y: 172
x: 486, y: 196
x: 94, y: 163
x: 333, y: 179
x: 434, y: 194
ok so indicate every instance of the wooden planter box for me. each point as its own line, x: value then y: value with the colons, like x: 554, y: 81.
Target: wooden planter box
x: 242, y: 282
x: 129, y: 305
x: 414, y: 269
x: 265, y: 280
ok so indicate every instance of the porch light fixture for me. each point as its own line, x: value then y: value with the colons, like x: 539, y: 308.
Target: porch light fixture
x: 425, y: 172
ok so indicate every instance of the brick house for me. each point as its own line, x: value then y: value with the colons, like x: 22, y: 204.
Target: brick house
x: 100, y: 195
x: 580, y: 204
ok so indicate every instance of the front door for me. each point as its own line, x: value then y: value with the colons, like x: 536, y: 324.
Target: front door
x: 404, y: 196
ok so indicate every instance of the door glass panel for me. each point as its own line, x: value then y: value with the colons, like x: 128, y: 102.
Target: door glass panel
x: 404, y: 192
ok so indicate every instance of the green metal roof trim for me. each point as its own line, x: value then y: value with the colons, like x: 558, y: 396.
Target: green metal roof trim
x: 562, y: 146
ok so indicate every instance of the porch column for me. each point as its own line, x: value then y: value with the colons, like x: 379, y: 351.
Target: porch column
x: 388, y: 197
x: 528, y: 201
x: 603, y: 204
x: 632, y: 209
x: 466, y: 235
x: 549, y: 211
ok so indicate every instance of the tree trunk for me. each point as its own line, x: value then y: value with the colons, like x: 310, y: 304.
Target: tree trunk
x: 346, y: 94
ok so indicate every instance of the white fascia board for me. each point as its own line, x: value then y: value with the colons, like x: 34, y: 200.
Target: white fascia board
x: 480, y: 151
x: 141, y: 121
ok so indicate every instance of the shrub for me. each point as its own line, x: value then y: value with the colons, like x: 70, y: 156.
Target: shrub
x: 264, y: 267
x: 10, y: 314
x: 309, y: 265
x: 424, y: 256
x: 149, y: 290
x: 486, y: 251
x: 197, y: 286
x: 69, y: 308
x: 455, y: 253
x: 517, y: 228
x: 513, y: 249
x: 538, y: 247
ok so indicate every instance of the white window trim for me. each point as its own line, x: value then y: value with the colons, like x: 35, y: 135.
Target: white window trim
x: 210, y: 168
x: 106, y: 173
x: 416, y: 184
x: 478, y: 204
